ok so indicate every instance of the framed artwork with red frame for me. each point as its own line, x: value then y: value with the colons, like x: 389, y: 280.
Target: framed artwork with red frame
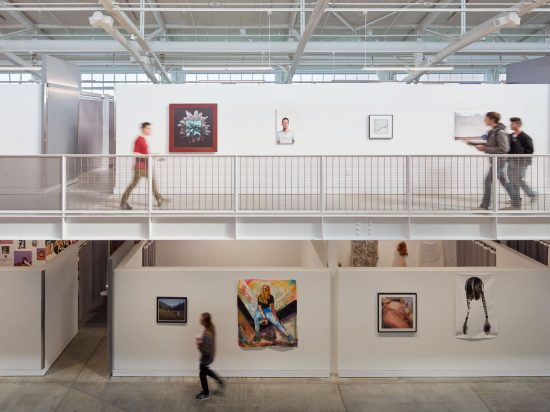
x: 193, y: 128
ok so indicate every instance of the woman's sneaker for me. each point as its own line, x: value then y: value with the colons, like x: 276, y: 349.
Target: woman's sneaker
x: 202, y: 397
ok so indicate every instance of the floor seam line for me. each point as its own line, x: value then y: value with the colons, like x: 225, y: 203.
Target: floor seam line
x: 479, y: 397
x: 342, y: 396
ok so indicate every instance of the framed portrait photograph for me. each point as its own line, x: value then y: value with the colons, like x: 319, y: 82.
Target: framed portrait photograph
x: 381, y: 126
x: 171, y: 309
x: 397, y: 312
x: 285, y: 123
x: 193, y: 128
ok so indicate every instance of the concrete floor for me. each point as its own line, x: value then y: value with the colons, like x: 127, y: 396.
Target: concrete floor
x: 79, y: 382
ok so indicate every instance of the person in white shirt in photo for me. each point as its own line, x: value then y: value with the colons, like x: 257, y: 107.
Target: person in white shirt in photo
x: 285, y: 135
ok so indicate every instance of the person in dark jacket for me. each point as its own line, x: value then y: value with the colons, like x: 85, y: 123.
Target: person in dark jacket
x: 207, y: 347
x: 497, y: 143
x: 520, y: 143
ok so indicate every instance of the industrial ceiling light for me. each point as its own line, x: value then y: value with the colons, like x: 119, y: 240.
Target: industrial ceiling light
x: 20, y: 69
x: 227, y: 68
x: 408, y: 69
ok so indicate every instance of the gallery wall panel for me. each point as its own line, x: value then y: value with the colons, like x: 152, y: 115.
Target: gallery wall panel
x: 521, y: 347
x: 144, y: 348
x: 331, y: 119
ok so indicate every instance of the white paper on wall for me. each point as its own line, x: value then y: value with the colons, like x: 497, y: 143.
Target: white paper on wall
x: 469, y: 125
x: 430, y: 253
x: 475, y: 306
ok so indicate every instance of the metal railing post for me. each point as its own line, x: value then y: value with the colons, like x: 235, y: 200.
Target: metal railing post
x: 236, y: 186
x: 495, y: 182
x: 322, y: 174
x: 408, y: 183
x: 150, y: 184
x: 63, y: 184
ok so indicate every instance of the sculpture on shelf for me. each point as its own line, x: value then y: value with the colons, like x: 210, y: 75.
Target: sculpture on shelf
x: 364, y: 253
x: 401, y: 254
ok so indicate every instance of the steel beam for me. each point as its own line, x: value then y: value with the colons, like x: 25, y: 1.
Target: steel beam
x: 308, y: 31
x: 16, y: 60
x: 129, y: 26
x: 103, y: 47
x: 505, y: 19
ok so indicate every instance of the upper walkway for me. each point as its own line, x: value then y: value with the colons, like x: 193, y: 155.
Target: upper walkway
x: 274, y: 197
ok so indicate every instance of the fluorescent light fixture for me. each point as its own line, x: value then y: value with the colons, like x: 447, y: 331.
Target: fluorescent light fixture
x: 227, y: 69
x: 20, y: 69
x: 408, y: 69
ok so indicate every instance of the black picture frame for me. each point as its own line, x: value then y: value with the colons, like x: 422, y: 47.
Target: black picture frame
x: 381, y: 328
x: 171, y: 316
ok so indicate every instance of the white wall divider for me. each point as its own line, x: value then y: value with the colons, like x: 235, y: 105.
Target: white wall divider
x: 21, y: 321
x: 38, y: 313
x: 333, y: 117
x: 61, y: 303
x: 144, y: 348
x: 520, y: 349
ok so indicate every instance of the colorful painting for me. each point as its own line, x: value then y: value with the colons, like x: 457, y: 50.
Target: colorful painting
x: 41, y: 253
x: 267, y: 313
x: 193, y: 128
x: 171, y: 310
x: 397, y: 312
x: 22, y: 258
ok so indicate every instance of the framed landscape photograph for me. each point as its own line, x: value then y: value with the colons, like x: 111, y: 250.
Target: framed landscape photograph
x: 397, y: 312
x: 193, y: 128
x: 381, y: 126
x: 171, y: 310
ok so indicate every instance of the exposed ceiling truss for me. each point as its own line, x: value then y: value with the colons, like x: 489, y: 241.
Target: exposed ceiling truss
x: 157, y: 36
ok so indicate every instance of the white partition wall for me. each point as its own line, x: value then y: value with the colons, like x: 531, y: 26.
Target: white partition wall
x: 38, y: 313
x: 144, y: 348
x: 331, y: 119
x: 521, y: 347
x: 20, y: 321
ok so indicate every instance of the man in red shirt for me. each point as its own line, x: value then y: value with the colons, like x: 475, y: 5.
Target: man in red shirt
x: 140, y: 168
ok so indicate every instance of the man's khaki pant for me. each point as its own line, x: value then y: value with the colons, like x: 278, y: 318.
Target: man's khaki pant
x: 138, y: 174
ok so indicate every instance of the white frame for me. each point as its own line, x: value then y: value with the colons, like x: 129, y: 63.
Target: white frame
x: 412, y: 295
x: 373, y: 133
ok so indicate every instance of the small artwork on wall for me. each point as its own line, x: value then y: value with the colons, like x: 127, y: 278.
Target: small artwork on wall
x: 41, y: 253
x: 397, y: 312
x: 5, y: 252
x: 171, y: 310
x: 22, y: 258
x: 470, y: 126
x: 380, y: 126
x: 193, y: 127
x: 22, y: 244
x: 267, y: 313
x: 285, y: 123
x: 476, y: 312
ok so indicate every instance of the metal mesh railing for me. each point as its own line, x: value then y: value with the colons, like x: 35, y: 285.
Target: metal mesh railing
x: 195, y: 183
x: 30, y: 183
x: 265, y: 184
x: 279, y: 183
x: 361, y: 183
x: 98, y: 183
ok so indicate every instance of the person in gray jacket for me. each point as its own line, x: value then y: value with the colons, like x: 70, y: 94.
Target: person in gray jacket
x: 497, y: 143
x: 206, y: 343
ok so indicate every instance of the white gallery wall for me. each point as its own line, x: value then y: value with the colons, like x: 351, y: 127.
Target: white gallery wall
x: 141, y: 347
x: 20, y: 321
x: 521, y: 347
x: 21, y: 119
x: 291, y: 253
x: 38, y: 313
x: 331, y: 119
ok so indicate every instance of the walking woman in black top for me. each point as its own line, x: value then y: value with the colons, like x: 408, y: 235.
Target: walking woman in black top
x: 207, y: 347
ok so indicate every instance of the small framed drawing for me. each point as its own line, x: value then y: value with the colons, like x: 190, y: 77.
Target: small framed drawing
x: 171, y: 310
x: 397, y: 312
x: 193, y: 128
x: 381, y: 126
